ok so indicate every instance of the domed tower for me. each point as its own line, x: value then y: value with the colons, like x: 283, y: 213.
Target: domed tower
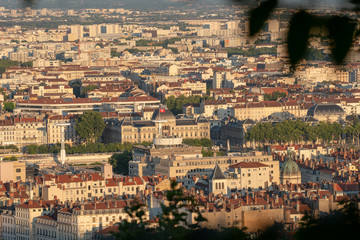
x: 163, y: 114
x: 164, y: 120
x: 290, y: 171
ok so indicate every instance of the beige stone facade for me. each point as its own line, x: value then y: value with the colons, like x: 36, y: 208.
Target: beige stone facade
x: 82, y: 222
x: 145, y: 158
x: 22, y: 131
x: 257, y: 111
x: 53, y: 91
x: 82, y: 187
x: 37, y: 221
x: 181, y: 168
x: 12, y: 171
x: 253, y: 175
x: 19, y: 224
x: 255, y: 217
x: 146, y: 131
x: 54, y: 131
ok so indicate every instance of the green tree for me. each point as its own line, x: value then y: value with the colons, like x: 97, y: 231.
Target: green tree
x: 115, y: 53
x: 5, y: 63
x: 11, y: 146
x: 174, y: 50
x: 120, y: 162
x: 204, y: 142
x: 9, y: 106
x: 87, y: 89
x: 207, y: 152
x: 76, y: 86
x: 134, y: 50
x: 90, y: 126
x: 10, y: 159
x: 175, y: 105
x: 27, y: 64
x: 32, y: 149
x: 274, y: 96
x: 143, y: 42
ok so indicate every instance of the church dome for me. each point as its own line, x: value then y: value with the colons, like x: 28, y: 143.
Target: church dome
x: 290, y: 167
x: 164, y: 114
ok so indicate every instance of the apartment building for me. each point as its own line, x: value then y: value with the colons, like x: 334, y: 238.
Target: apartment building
x: 18, y: 224
x: 81, y: 222
x: 80, y: 187
x: 54, y: 131
x: 37, y: 220
x: 185, y: 88
x: 183, y: 169
x: 53, y: 91
x: 80, y: 105
x: 257, y: 111
x: 254, y: 175
x: 22, y: 131
x: 214, y: 107
x: 145, y: 158
x: 12, y: 171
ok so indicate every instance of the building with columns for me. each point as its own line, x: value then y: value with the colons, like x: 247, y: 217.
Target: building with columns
x: 146, y: 130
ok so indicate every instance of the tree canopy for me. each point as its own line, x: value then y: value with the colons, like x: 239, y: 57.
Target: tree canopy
x: 9, y: 106
x: 120, y: 162
x: 296, y: 131
x: 274, y: 96
x: 175, y: 105
x: 87, y: 89
x: 78, y: 149
x: 90, y: 126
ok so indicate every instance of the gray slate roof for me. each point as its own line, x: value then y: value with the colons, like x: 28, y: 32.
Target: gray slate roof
x: 217, y: 173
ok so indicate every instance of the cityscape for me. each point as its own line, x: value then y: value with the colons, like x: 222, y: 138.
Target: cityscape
x: 156, y: 119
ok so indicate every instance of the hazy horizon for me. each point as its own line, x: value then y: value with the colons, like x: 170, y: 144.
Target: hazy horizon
x: 150, y: 4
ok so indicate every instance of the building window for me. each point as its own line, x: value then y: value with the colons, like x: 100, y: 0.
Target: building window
x: 18, y: 170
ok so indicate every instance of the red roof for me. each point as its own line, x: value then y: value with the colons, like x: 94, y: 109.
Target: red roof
x: 248, y: 165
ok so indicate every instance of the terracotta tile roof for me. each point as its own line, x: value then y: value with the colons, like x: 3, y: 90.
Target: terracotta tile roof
x: 248, y: 165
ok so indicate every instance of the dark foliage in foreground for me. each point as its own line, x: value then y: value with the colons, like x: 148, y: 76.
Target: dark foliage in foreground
x: 172, y: 224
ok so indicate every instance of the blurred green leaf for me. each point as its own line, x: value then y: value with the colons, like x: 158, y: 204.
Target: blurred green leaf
x: 356, y: 2
x: 260, y: 14
x: 298, y: 35
x: 341, y: 30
